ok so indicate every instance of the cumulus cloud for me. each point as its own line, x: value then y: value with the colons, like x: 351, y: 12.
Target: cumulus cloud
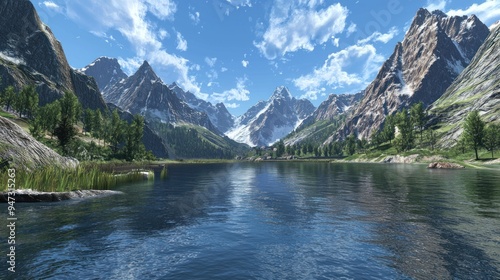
x: 433, y: 5
x: 239, y: 93
x: 245, y: 63
x: 488, y: 11
x: 333, y: 73
x: 379, y: 37
x: 298, y: 25
x: 130, y: 18
x: 232, y: 105
x: 181, y: 42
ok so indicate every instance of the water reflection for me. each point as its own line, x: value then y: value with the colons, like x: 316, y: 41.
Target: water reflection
x: 274, y: 220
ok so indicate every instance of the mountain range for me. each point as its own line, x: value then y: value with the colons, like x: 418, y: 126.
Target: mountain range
x: 449, y: 63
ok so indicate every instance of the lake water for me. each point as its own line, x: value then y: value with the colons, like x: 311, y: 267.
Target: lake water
x: 271, y: 221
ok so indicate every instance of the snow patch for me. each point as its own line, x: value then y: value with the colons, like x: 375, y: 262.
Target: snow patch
x: 10, y: 58
x: 455, y: 66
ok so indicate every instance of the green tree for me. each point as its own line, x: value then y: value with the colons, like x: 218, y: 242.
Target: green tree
x: 70, y: 114
x: 9, y: 97
x: 31, y: 101
x: 134, y: 148
x: 389, y: 130
x: 97, y: 124
x: 492, y: 138
x: 405, y: 140
x: 474, y: 131
x: 350, y: 145
x: 36, y: 125
x: 418, y: 118
x: 87, y: 120
x: 117, y: 131
x: 51, y: 114
x: 280, y: 149
x: 431, y: 138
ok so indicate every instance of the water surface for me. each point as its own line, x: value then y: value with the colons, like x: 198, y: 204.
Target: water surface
x: 272, y: 221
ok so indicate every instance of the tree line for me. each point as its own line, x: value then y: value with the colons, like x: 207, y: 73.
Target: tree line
x: 404, y: 130
x: 60, y: 118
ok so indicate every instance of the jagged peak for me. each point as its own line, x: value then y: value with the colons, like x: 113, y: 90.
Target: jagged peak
x: 282, y: 91
x: 494, y: 25
x: 439, y: 13
x: 146, y: 70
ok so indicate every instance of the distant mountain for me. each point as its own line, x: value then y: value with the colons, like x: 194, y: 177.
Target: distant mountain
x: 476, y: 88
x: 268, y: 121
x: 433, y: 53
x: 325, y: 120
x: 218, y: 114
x: 106, y: 72
x: 30, y: 54
x: 145, y: 93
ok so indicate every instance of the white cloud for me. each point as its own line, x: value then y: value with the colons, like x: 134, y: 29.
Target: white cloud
x: 379, y: 37
x: 223, y: 69
x: 130, y: 18
x: 232, y: 105
x: 297, y: 25
x: 245, y: 63
x: 239, y: 93
x: 488, y: 11
x: 336, y: 42
x: 351, y: 29
x: 181, y: 42
x: 240, y: 3
x: 333, y: 73
x: 51, y: 5
x: 195, y: 17
x: 433, y: 5
x: 210, y: 61
x: 162, y: 34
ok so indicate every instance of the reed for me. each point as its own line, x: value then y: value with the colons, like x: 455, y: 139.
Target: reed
x: 56, y: 179
x: 163, y: 173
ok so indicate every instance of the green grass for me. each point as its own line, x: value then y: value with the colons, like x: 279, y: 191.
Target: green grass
x: 55, y: 179
x: 6, y: 115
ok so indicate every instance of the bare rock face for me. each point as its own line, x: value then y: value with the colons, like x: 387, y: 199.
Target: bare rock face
x: 27, y: 152
x: 335, y: 105
x: 476, y: 88
x: 30, y: 54
x: 145, y: 93
x: 218, y: 113
x: 434, y: 52
x: 106, y: 72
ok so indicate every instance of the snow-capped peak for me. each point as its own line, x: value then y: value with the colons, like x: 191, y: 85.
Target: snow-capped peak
x: 281, y: 91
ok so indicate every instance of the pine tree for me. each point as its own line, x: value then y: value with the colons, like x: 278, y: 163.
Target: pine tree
x: 405, y: 140
x: 418, y: 118
x: 350, y: 145
x: 70, y: 114
x: 389, y: 129
x: 492, y: 138
x: 134, y: 148
x: 117, y: 128
x: 474, y: 131
x: 9, y: 97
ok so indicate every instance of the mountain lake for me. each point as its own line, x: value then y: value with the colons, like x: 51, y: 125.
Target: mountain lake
x: 271, y: 220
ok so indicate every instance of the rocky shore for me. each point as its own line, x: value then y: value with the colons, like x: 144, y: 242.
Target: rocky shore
x: 35, y: 196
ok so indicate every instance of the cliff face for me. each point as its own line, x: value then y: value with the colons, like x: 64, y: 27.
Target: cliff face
x: 476, y: 88
x: 434, y: 52
x: 30, y: 54
x: 27, y: 152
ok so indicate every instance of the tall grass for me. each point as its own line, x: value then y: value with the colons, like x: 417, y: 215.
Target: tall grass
x: 55, y: 179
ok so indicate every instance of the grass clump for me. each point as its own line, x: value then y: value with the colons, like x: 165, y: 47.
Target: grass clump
x: 56, y: 179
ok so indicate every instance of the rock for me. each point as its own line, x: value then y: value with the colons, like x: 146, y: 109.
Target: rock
x: 444, y: 165
x: 401, y: 159
x: 35, y: 196
x: 27, y: 152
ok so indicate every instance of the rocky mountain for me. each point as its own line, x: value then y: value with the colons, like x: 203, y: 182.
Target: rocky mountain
x: 145, y: 93
x: 25, y: 151
x: 476, y: 88
x: 106, y: 72
x: 30, y: 54
x: 434, y: 52
x: 268, y: 121
x: 335, y: 105
x: 325, y: 120
x: 218, y: 114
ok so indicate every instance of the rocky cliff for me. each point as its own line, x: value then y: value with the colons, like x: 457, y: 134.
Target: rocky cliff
x: 30, y: 54
x: 25, y: 151
x: 476, y: 88
x: 106, y: 71
x: 433, y: 53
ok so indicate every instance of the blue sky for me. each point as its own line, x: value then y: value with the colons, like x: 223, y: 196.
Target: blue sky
x: 239, y: 51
